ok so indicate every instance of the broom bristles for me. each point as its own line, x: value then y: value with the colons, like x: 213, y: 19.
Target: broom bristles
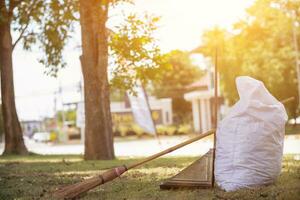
x: 72, y: 191
x: 75, y: 190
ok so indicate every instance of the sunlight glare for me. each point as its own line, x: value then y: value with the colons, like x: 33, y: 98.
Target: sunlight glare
x: 183, y: 21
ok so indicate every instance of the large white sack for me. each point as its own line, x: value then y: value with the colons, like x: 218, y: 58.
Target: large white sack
x: 250, y: 138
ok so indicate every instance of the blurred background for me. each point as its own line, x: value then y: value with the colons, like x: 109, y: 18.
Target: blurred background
x: 255, y: 38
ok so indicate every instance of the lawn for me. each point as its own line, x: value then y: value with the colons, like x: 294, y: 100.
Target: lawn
x: 35, y: 177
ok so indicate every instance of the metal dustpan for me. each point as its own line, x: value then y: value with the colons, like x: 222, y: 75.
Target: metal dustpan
x: 197, y: 175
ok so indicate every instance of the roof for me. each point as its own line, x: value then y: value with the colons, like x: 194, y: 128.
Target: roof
x: 202, y: 84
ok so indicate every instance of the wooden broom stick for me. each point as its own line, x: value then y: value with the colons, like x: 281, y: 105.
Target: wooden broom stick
x: 287, y: 100
x: 75, y: 190
x: 216, y: 106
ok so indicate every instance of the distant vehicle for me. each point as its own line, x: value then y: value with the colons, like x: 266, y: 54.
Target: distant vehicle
x: 41, y: 137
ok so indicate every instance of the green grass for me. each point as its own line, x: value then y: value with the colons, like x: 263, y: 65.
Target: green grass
x: 291, y: 129
x: 35, y: 177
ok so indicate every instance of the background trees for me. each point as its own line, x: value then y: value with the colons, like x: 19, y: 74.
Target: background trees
x: 260, y: 46
x: 179, y: 72
x: 48, y: 25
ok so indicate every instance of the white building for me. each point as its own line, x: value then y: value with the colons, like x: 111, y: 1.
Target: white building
x: 201, y: 96
x: 121, y: 112
x: 29, y: 127
x: 161, y: 109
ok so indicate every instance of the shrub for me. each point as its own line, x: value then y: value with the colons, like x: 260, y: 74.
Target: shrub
x: 184, y: 129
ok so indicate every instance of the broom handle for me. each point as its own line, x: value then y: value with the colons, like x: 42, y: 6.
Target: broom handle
x: 287, y: 100
x: 171, y: 149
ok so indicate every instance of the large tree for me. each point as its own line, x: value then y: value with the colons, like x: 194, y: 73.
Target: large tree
x: 45, y: 22
x: 13, y: 139
x: 94, y: 61
x: 133, y: 55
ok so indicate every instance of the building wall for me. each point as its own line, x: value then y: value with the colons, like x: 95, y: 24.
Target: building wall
x: 30, y: 127
x: 202, y: 109
x: 162, y: 107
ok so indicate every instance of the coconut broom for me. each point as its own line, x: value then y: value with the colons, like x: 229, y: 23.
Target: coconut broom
x: 75, y: 190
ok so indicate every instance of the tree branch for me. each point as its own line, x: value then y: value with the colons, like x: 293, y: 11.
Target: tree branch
x: 20, y: 36
x: 31, y: 8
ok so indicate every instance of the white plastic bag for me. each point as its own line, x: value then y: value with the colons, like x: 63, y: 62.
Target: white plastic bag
x: 250, y: 138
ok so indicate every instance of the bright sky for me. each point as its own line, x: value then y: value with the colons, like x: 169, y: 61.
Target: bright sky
x: 181, y: 26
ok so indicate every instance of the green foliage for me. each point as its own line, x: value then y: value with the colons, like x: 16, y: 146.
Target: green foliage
x: 260, y: 46
x: 69, y: 115
x: 292, y: 129
x: 185, y: 129
x: 178, y: 73
x: 47, y: 23
x: 134, y: 52
x: 55, y: 30
x: 128, y: 130
x: 135, y: 130
x: 117, y: 94
x: 166, y: 129
x: 217, y: 43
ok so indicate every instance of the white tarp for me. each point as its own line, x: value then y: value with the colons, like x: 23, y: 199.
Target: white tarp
x: 250, y: 138
x: 141, y: 111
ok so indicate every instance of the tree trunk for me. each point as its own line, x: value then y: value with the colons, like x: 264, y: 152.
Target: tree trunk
x: 94, y: 62
x: 14, y: 143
